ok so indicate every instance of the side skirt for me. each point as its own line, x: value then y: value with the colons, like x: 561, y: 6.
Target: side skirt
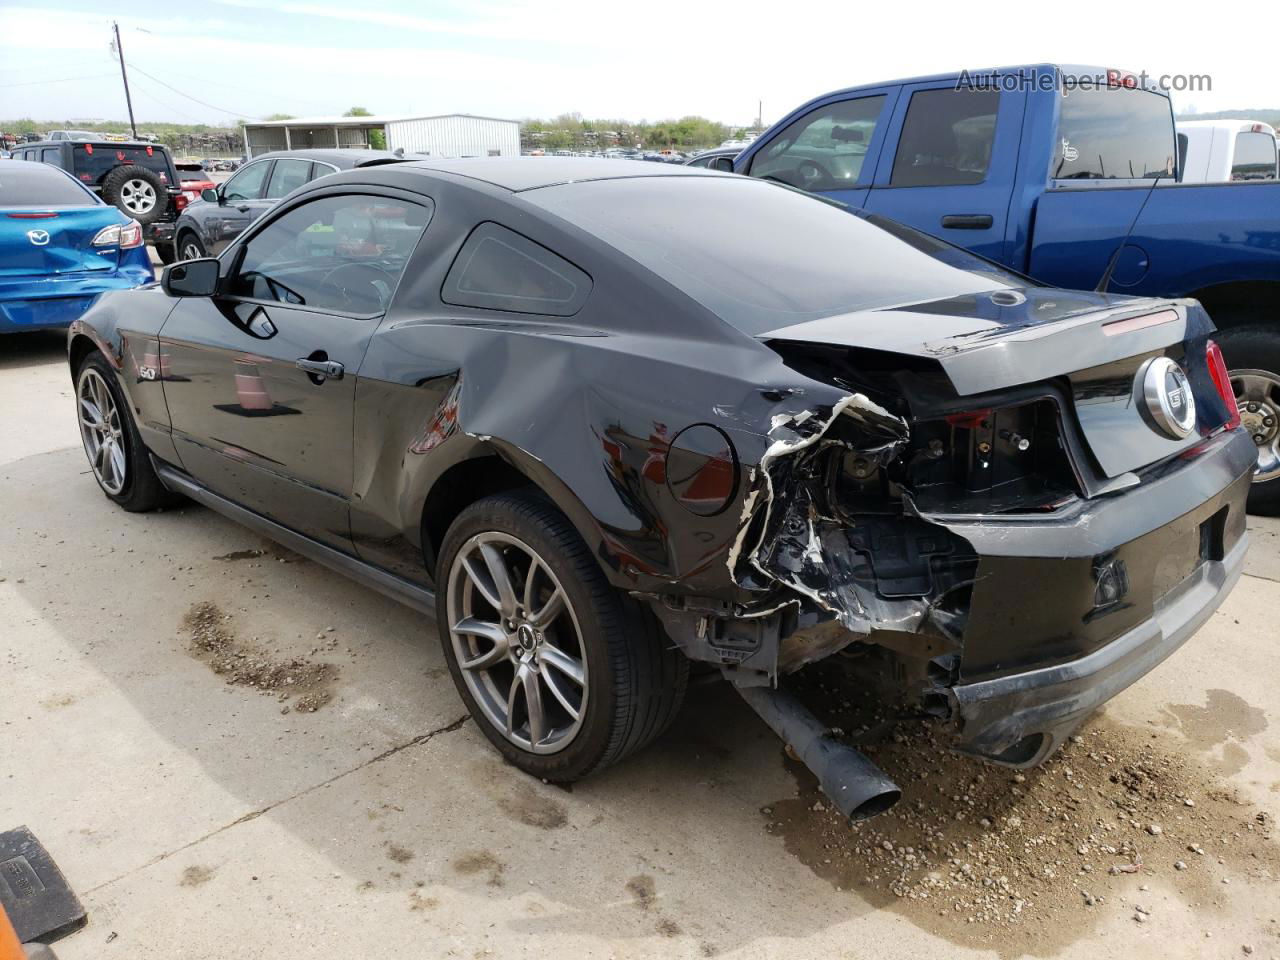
x: 397, y: 588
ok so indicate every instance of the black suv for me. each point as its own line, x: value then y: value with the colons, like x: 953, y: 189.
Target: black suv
x: 138, y: 178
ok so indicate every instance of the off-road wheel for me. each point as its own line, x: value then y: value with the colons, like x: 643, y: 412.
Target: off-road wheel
x: 116, y: 454
x: 136, y: 191
x: 562, y: 672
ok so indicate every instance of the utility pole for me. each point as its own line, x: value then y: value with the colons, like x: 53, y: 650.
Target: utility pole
x: 133, y: 127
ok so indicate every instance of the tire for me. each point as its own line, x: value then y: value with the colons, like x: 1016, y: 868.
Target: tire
x: 137, y: 192
x: 1253, y: 362
x: 189, y: 247
x: 167, y: 252
x: 139, y: 489
x: 633, y: 678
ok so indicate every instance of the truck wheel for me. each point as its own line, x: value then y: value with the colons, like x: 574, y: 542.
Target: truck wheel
x: 563, y: 673
x: 1253, y: 362
x: 136, y: 191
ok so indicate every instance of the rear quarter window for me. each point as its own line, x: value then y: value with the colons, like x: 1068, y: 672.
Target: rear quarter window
x: 499, y: 269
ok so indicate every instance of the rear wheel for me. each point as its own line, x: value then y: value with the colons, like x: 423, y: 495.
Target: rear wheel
x: 1253, y: 363
x: 190, y: 247
x: 564, y: 674
x: 117, y: 457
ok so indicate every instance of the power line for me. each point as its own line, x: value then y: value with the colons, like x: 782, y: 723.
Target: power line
x: 232, y: 113
x: 33, y: 83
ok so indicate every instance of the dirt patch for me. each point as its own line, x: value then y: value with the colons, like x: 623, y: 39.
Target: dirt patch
x: 1029, y: 862
x: 534, y: 810
x: 242, y: 555
x: 668, y: 928
x: 642, y: 890
x: 211, y: 639
x: 398, y: 854
x: 195, y: 877
x: 481, y: 862
x: 419, y: 903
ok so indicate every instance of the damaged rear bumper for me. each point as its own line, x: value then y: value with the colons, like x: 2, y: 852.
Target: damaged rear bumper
x: 995, y: 716
x: 1018, y: 714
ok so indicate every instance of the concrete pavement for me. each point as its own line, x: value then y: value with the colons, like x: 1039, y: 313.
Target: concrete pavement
x: 199, y: 819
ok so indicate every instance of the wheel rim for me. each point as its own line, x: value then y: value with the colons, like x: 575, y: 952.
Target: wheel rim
x: 191, y: 251
x: 517, y: 642
x: 1258, y: 397
x: 101, y: 431
x: 138, y: 196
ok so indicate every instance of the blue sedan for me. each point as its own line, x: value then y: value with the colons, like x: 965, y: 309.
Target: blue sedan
x: 60, y: 248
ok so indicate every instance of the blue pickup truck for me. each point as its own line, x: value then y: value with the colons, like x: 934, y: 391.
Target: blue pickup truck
x: 1069, y: 175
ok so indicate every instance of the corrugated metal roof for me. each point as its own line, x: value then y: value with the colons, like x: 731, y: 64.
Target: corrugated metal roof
x: 375, y: 121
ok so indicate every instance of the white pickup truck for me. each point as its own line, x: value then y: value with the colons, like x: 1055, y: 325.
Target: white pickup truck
x: 1216, y: 151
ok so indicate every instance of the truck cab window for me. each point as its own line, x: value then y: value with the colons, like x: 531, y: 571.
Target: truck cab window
x: 824, y: 149
x: 1114, y: 133
x: 1255, y: 157
x: 946, y: 138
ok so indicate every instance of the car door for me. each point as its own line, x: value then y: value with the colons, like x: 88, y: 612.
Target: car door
x: 949, y: 163
x: 240, y: 202
x: 260, y: 379
x: 830, y: 149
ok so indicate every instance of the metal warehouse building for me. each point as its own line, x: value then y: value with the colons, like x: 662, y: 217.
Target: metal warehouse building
x: 451, y: 135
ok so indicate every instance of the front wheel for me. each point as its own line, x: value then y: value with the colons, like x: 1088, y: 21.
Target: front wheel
x: 1253, y: 364
x: 563, y: 673
x: 116, y: 453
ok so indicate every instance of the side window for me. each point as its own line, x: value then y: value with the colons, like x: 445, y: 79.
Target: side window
x: 700, y: 162
x: 248, y: 183
x: 499, y: 269
x: 946, y: 138
x: 344, y: 254
x: 824, y: 149
x: 319, y: 170
x: 1255, y: 157
x: 287, y: 176
x: 50, y: 155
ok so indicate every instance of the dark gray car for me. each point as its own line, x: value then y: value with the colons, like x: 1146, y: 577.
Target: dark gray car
x: 206, y: 227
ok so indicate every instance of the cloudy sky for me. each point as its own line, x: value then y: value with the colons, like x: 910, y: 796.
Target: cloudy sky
x: 216, y: 60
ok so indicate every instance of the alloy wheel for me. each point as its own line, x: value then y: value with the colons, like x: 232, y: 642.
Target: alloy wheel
x: 101, y: 431
x: 190, y: 251
x: 517, y: 642
x: 138, y: 196
x: 1258, y: 397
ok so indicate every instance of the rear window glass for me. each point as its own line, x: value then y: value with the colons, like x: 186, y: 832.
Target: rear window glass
x: 499, y: 269
x: 35, y: 185
x: 92, y: 167
x: 1108, y: 133
x: 762, y: 256
x: 1255, y: 157
x: 946, y: 138
x: 188, y: 175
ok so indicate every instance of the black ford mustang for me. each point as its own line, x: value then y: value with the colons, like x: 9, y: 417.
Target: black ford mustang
x: 605, y: 418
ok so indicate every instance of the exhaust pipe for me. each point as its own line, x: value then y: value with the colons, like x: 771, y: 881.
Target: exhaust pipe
x: 858, y: 788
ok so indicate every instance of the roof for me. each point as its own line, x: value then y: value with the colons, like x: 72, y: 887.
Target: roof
x: 530, y: 173
x: 342, y: 159
x: 375, y: 121
x: 1232, y: 125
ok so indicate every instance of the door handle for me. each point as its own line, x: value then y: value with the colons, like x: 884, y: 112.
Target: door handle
x: 244, y: 209
x: 967, y: 221
x: 321, y: 369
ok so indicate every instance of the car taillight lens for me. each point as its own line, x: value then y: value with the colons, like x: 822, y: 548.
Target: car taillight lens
x: 1221, y: 380
x: 125, y: 237
x: 180, y: 202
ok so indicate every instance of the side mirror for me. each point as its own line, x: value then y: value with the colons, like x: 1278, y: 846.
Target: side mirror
x: 723, y: 164
x: 191, y: 278
x: 210, y: 195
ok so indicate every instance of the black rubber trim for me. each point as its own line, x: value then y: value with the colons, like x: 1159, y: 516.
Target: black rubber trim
x: 397, y: 588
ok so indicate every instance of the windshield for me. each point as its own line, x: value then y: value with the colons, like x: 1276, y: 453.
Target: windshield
x: 24, y: 184
x: 762, y: 256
